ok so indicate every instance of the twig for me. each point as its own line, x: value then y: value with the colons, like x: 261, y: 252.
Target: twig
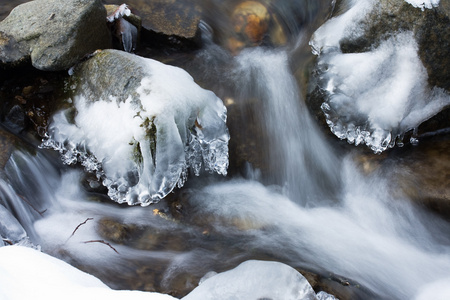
x: 103, y: 242
x: 82, y: 223
x: 76, y: 228
x: 41, y: 213
x: 8, y: 241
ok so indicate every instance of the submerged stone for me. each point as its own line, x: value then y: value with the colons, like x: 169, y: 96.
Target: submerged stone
x: 53, y: 34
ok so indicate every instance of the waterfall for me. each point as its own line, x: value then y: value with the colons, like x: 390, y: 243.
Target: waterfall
x: 299, y: 157
x: 328, y: 216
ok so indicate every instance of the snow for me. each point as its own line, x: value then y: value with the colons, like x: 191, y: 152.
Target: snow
x: 142, y: 149
x: 373, y: 97
x: 255, y: 280
x: 26, y: 273
x: 423, y: 3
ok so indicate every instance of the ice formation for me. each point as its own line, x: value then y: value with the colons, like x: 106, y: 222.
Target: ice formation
x: 11, y: 231
x: 373, y: 97
x: 142, y: 148
x: 255, y: 280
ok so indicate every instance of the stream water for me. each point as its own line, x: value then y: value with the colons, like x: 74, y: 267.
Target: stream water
x: 314, y: 209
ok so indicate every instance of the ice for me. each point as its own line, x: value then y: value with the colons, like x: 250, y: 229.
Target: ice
x: 325, y: 296
x: 424, y: 3
x: 143, y: 148
x: 373, y: 97
x: 26, y: 273
x: 254, y: 280
x: 10, y: 229
x: 121, y: 11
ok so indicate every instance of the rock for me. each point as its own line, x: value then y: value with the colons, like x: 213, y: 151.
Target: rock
x: 423, y: 174
x: 125, y: 26
x: 11, y: 231
x: 15, y: 119
x: 54, y: 34
x: 253, y: 24
x: 169, y: 24
x: 7, y: 6
x: 115, y: 231
x: 7, y: 145
x: 89, y: 77
x: 250, y: 21
x: 29, y: 96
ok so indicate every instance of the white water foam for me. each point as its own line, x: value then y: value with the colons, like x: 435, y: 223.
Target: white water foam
x: 378, y: 240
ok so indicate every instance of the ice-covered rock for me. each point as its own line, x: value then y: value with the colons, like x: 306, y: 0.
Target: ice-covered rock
x: 374, y: 81
x: 254, y: 280
x: 10, y: 229
x: 139, y: 125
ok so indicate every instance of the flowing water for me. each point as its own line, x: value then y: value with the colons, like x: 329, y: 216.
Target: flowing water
x: 313, y: 209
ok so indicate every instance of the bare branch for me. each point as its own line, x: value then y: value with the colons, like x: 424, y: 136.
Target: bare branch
x: 76, y: 228
x: 41, y: 213
x: 103, y: 242
x: 8, y: 241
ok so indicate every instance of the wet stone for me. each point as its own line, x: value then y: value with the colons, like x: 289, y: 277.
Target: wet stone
x: 168, y: 24
x: 44, y: 37
x: 115, y: 231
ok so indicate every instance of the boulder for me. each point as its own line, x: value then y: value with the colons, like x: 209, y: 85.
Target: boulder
x: 169, y: 23
x: 423, y: 175
x: 421, y: 172
x: 53, y: 34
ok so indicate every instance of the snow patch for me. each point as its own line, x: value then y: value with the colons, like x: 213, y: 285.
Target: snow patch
x: 424, y: 3
x: 26, y: 273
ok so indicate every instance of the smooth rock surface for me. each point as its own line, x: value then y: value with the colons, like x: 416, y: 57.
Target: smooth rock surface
x: 54, y: 34
x: 168, y: 23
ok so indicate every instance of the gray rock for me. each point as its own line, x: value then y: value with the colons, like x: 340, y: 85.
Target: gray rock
x: 54, y: 34
x: 169, y: 24
x: 91, y: 80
